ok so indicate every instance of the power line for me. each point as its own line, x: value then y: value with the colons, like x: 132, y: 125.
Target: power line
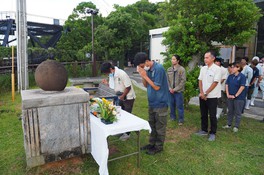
x: 105, y: 6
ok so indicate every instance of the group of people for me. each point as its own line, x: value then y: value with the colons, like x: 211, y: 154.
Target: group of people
x: 165, y: 89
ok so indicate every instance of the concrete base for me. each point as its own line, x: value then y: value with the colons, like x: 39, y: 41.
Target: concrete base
x: 56, y: 125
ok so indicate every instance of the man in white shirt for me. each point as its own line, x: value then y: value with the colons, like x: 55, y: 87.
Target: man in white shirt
x: 121, y: 84
x: 210, y: 91
x: 258, y: 82
x: 222, y: 102
x: 248, y: 72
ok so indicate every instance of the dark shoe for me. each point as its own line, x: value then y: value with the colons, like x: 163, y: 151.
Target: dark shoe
x: 154, y: 150
x: 147, y: 147
x: 201, y: 133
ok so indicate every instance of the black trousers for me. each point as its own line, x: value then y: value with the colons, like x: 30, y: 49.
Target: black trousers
x: 208, y: 106
x: 127, y: 105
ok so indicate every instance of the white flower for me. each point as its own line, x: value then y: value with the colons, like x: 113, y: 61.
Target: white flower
x: 114, y: 113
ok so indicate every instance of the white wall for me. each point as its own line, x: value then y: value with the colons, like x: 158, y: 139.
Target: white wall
x: 156, y: 46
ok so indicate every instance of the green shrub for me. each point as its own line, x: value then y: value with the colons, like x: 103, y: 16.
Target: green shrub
x: 5, y: 81
x: 74, y: 70
x: 191, y: 85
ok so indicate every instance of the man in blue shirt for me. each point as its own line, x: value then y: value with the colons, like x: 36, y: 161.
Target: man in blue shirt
x: 155, y: 80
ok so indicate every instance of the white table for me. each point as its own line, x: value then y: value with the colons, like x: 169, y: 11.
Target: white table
x: 99, y: 132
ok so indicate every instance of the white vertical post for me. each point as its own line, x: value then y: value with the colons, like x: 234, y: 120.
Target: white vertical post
x: 22, y: 58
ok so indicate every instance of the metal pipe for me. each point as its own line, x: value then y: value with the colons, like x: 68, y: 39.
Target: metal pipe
x: 13, y: 76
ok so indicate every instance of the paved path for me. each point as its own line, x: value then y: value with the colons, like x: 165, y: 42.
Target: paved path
x: 256, y: 112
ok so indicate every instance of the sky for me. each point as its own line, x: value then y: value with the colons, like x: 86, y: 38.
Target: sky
x: 61, y: 9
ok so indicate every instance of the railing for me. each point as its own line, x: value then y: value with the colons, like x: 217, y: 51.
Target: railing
x: 31, y: 17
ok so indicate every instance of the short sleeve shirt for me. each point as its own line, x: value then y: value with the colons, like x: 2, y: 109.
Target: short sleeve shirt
x: 122, y: 81
x: 234, y: 82
x: 224, y: 74
x: 248, y: 72
x: 159, y: 98
x: 255, y: 75
x: 209, y: 75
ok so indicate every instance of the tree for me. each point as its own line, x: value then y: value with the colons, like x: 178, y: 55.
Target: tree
x: 195, y: 24
x: 144, y: 17
x: 77, y: 31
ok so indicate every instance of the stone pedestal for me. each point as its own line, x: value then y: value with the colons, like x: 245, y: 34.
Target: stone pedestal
x: 56, y: 125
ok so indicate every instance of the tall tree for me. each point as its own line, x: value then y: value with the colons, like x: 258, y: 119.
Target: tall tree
x: 195, y: 24
x: 77, y: 31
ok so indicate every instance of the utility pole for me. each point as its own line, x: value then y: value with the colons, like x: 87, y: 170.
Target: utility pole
x: 22, y: 57
x: 93, y: 12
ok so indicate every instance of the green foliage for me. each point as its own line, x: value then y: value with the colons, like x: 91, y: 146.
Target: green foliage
x: 195, y: 24
x: 6, y: 85
x: 5, y: 52
x: 74, y: 70
x: 5, y: 81
x: 118, y: 36
x: 77, y: 32
x: 191, y: 85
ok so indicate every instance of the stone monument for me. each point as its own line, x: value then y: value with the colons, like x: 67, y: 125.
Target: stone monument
x: 56, y: 124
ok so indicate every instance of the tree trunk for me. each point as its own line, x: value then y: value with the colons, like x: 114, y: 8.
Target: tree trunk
x: 194, y: 62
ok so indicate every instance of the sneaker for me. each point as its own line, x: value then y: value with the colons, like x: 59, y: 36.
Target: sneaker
x: 211, y: 137
x: 147, y: 147
x: 235, y: 129
x: 180, y: 123
x: 226, y: 127
x: 201, y: 133
x: 124, y: 137
x: 154, y: 150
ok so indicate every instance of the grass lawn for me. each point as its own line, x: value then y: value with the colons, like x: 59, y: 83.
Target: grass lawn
x: 185, y: 153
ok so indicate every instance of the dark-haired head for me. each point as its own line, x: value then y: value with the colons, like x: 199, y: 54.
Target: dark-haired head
x: 209, y: 57
x: 245, y: 58
x: 238, y: 65
x: 106, y: 67
x: 140, y: 58
x: 212, y: 52
x: 176, y: 59
x: 218, y: 61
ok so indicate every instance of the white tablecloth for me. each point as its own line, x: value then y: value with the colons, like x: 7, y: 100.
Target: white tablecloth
x: 100, y: 131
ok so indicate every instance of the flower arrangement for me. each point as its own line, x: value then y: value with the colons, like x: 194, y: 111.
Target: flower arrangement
x: 107, y: 110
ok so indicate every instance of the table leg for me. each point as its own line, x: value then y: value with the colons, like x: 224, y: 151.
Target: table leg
x: 138, y: 144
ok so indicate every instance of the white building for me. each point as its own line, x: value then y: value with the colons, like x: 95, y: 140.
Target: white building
x: 156, y: 46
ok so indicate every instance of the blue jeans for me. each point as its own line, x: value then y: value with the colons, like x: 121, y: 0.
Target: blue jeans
x: 177, y: 101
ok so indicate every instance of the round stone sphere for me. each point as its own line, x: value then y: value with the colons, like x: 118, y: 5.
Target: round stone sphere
x: 51, y: 75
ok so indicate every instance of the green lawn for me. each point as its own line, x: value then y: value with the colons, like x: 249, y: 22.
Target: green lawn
x: 185, y: 153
